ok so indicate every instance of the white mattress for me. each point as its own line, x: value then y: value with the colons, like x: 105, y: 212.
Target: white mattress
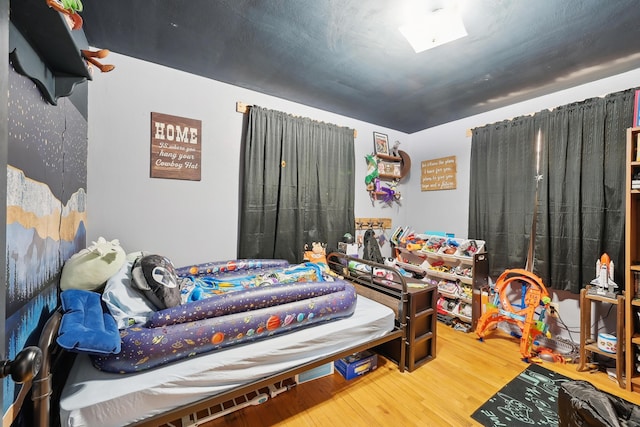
x: 94, y: 398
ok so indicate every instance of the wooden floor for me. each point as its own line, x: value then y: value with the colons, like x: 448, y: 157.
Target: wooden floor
x: 444, y: 392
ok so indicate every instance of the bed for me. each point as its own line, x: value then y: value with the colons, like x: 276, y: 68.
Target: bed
x: 86, y: 396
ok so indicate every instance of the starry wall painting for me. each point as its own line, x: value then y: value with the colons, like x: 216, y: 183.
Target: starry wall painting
x: 46, y: 209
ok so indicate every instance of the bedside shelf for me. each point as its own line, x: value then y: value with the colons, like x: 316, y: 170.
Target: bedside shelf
x: 588, y: 343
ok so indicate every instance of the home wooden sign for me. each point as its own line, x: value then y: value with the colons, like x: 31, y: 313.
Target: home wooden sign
x: 439, y: 174
x: 175, y: 147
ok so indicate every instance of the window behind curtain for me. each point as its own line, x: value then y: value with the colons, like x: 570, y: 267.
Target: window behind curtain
x: 581, y: 193
x: 298, y: 185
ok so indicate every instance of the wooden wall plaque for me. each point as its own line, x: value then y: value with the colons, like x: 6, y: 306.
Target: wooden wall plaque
x: 439, y: 174
x: 175, y: 147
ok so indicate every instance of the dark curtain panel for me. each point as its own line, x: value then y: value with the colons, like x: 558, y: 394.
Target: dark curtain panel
x: 298, y: 185
x: 580, y: 193
x: 502, y: 190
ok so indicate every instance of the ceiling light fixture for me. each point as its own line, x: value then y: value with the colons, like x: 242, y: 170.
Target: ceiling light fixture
x: 433, y: 29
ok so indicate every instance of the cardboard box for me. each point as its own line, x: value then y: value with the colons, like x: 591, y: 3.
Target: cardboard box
x: 358, y: 364
x: 315, y: 373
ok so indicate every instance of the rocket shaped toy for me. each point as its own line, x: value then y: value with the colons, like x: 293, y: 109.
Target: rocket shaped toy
x: 604, y: 276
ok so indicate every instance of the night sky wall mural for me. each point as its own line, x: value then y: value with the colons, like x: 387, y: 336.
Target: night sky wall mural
x: 46, y: 212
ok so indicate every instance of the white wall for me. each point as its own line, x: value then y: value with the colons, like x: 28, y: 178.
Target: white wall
x: 448, y: 210
x: 197, y: 221
x: 188, y: 221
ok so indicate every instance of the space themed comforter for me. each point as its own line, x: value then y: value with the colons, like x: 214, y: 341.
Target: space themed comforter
x: 247, y: 314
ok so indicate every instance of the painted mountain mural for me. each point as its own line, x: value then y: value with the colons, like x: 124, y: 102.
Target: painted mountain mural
x: 46, y: 210
x: 41, y: 234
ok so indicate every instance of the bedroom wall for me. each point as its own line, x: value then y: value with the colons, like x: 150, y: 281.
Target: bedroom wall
x: 46, y: 153
x: 187, y: 221
x: 448, y: 210
x: 193, y: 222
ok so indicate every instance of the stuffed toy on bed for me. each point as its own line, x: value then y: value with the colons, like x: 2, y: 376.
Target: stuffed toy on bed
x: 90, y: 268
x: 315, y: 252
x: 156, y: 278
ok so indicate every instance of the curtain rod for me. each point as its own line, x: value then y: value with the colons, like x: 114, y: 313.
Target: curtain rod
x: 243, y: 108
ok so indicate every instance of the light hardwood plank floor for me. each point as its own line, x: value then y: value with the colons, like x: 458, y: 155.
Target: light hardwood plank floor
x: 444, y: 392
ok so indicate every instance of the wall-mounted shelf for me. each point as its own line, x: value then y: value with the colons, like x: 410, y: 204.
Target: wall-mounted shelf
x: 43, y: 47
x: 401, y: 165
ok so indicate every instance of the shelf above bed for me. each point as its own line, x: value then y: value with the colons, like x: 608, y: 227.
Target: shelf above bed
x: 44, y: 48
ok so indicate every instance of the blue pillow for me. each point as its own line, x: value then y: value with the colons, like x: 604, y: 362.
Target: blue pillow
x: 85, y: 327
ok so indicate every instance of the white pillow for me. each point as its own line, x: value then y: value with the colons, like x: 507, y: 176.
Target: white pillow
x: 125, y: 303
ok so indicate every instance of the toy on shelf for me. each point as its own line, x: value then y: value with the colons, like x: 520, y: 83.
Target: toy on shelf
x: 372, y: 171
x: 534, y: 295
x: 389, y: 193
x: 70, y: 9
x: 395, y: 150
x: 604, y: 284
x: 91, y: 57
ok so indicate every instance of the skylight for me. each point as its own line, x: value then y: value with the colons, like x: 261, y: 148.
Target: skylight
x: 430, y: 29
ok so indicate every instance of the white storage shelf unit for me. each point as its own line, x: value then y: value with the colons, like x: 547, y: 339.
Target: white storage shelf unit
x: 458, y: 266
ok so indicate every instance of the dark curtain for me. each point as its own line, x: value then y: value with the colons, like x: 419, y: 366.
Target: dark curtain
x: 298, y: 185
x: 580, y: 189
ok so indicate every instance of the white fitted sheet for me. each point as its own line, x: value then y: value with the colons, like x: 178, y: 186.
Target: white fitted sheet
x: 94, y: 398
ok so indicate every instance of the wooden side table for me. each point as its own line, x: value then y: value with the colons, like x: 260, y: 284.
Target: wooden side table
x: 589, y: 343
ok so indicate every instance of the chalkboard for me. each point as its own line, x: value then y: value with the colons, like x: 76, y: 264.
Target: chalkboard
x: 439, y: 174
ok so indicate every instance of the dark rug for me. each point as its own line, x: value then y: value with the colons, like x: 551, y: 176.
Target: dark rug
x: 530, y: 399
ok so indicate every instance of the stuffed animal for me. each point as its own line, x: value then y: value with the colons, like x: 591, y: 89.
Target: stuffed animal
x: 315, y: 252
x: 90, y: 268
x: 156, y: 278
x: 69, y: 8
x: 91, y: 55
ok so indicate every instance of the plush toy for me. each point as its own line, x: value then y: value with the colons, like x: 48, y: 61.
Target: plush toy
x: 372, y: 169
x: 395, y: 149
x: 69, y: 8
x: 156, y: 278
x: 315, y: 252
x: 90, y: 268
x: 91, y: 55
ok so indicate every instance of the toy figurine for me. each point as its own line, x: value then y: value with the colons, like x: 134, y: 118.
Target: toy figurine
x: 372, y: 169
x: 395, y: 148
x: 604, y: 284
x: 68, y: 8
x: 91, y: 57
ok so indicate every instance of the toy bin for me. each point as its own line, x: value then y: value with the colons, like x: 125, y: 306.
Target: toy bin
x: 357, y: 364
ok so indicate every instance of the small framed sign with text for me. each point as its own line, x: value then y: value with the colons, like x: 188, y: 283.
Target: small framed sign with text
x: 175, y: 147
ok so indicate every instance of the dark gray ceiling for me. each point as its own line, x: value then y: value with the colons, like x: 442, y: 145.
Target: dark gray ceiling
x: 348, y: 57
